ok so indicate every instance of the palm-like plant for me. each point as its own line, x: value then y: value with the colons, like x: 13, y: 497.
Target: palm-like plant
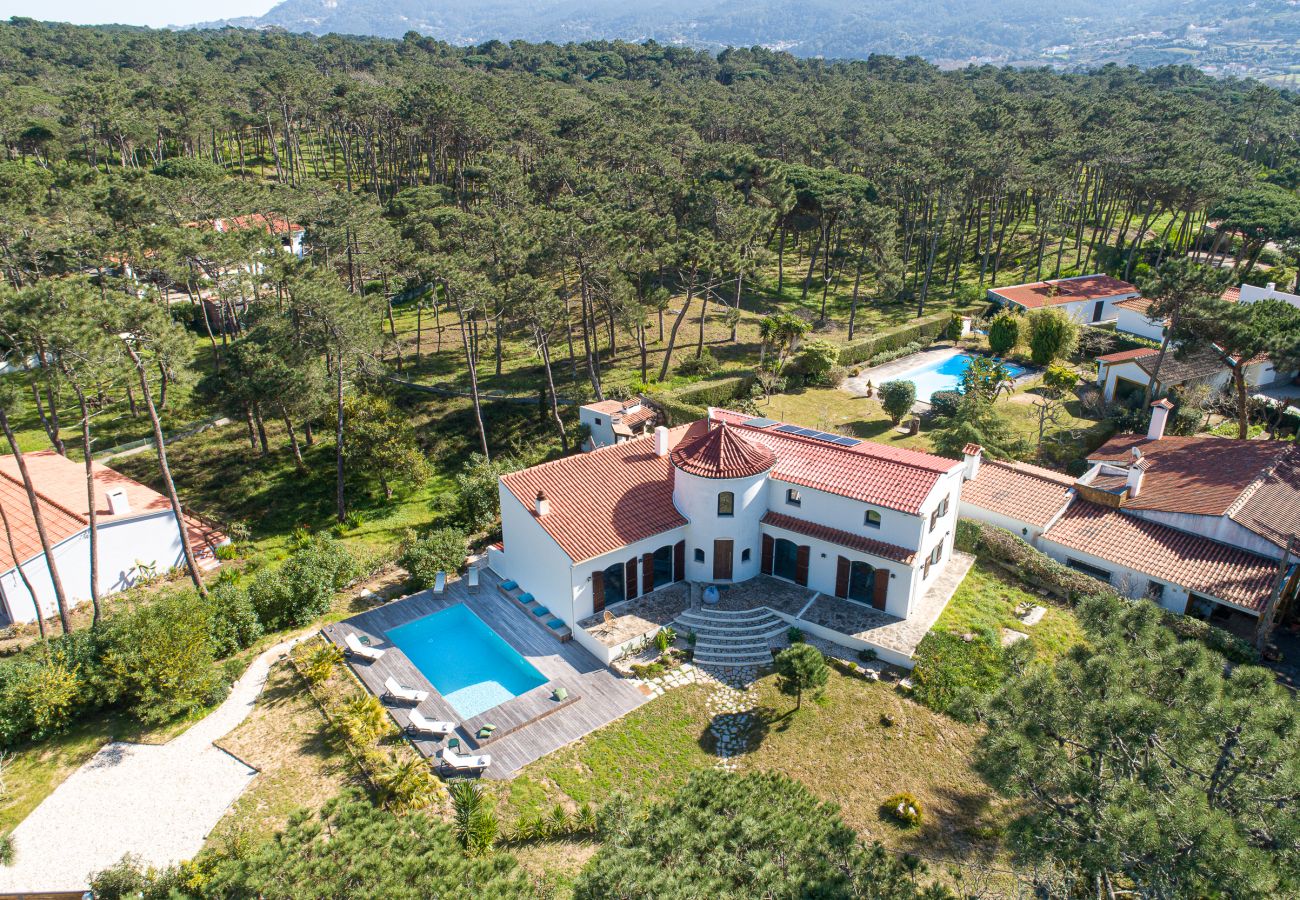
x: 407, y: 784
x: 364, y: 720
x: 473, y: 819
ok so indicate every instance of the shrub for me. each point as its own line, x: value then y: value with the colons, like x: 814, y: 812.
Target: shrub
x: 305, y: 585
x: 407, y: 784
x: 226, y: 552
x: 1060, y: 379
x: 703, y: 364
x: 816, y: 359
x: 1004, y: 332
x: 922, y: 332
x: 945, y: 403
x: 794, y: 635
x: 50, y: 693
x: 131, y: 879
x: 440, y: 550
x: 836, y: 376
x: 322, y: 662
x: 1053, y: 335
x: 903, y: 808
x: 867, y: 654
x: 956, y: 676
x: 898, y: 352
x: 953, y: 330
x: 363, y: 720
x: 233, y: 623
x: 664, y: 638
x: 897, y: 398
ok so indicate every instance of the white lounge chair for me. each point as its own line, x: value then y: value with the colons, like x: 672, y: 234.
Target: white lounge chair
x: 352, y: 646
x: 473, y: 579
x: 397, y: 692
x: 421, y: 725
x: 452, y: 760
x: 440, y: 582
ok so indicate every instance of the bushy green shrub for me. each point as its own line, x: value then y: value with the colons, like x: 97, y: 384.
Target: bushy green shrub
x: 885, y: 356
x: 897, y: 398
x: 234, y: 625
x: 1053, y: 335
x: 944, y: 403
x: 302, y: 588
x: 955, y: 676
x: 904, y: 809
x: 34, y: 686
x: 703, y: 364
x: 816, y: 359
x: 130, y: 878
x: 440, y: 550
x: 923, y: 330
x: 1004, y: 332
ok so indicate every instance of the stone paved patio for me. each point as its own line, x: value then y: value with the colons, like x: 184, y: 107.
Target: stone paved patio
x: 780, y: 596
x: 633, y: 618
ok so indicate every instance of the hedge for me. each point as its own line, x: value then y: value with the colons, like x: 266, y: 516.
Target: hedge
x: 1035, y: 566
x: 926, y: 329
x: 691, y: 402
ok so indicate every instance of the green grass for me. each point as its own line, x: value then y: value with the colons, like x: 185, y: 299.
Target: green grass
x: 986, y: 600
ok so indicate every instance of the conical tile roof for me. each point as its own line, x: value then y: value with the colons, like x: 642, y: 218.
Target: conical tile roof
x: 722, y: 453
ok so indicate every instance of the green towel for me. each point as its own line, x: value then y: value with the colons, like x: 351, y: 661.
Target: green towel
x: 486, y: 731
x: 560, y: 693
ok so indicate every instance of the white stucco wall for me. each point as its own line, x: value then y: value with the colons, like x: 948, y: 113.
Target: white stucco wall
x: 823, y: 567
x: 697, y: 499
x: 1128, y: 582
x: 1134, y: 322
x: 1024, y: 530
x: 532, y: 558
x: 1251, y: 294
x: 601, y: 425
x: 896, y: 527
x: 1216, y: 528
x: 581, y: 572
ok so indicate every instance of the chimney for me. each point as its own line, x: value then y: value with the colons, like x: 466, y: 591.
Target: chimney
x: 1159, y: 416
x: 542, y: 505
x: 1272, y: 287
x: 118, y: 505
x: 661, y: 441
x: 971, y: 455
x: 1134, y: 480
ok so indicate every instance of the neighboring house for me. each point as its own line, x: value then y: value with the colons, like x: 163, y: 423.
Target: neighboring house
x: 722, y: 500
x: 614, y: 421
x: 1248, y: 293
x: 1085, y: 298
x: 289, y: 233
x: 1199, y: 525
x: 1127, y: 373
x: 136, y: 526
x: 1133, y: 317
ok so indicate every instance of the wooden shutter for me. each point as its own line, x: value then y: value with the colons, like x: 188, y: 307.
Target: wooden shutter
x: 597, y: 592
x: 679, y: 561
x: 630, y: 580
x: 842, y: 578
x: 880, y: 588
x: 769, y: 551
x: 648, y: 572
x: 801, y: 565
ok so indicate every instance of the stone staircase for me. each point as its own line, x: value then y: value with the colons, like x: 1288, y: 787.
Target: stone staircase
x: 730, y: 639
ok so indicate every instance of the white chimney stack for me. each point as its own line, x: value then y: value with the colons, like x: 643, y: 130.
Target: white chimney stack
x: 1159, y: 417
x: 1272, y: 287
x: 661, y: 441
x: 118, y: 505
x: 971, y: 455
x: 542, y: 505
x: 1134, y: 479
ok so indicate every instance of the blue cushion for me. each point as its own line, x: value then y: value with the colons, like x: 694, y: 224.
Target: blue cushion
x: 525, y: 597
x: 510, y: 585
x: 556, y: 623
x: 541, y: 611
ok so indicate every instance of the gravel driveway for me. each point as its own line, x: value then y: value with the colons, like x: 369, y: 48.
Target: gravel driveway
x: 157, y: 802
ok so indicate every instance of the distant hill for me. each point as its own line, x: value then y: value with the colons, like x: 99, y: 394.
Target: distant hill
x: 1260, y: 37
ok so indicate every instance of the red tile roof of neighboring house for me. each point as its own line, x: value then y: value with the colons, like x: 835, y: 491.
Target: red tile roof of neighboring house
x: 1025, y: 493
x: 1232, y: 295
x: 640, y: 411
x: 721, y: 452
x: 892, y: 477
x: 1136, y: 304
x: 271, y: 224
x: 1198, y: 564
x: 1127, y: 355
x: 1256, y: 483
x: 837, y: 536
x: 606, y: 499
x: 1064, y: 290
x: 61, y: 492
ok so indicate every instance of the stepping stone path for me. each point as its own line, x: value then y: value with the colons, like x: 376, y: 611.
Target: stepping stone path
x: 1011, y: 636
x: 731, y: 705
x: 682, y: 675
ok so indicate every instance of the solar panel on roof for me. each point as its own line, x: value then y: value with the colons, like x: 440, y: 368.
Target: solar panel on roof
x: 808, y: 432
x: 760, y: 423
x: 847, y: 441
x: 823, y: 436
x: 791, y: 429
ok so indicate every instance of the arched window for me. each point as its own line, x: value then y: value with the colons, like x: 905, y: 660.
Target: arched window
x: 785, y: 559
x: 614, y: 584
x: 872, y: 519
x: 699, y: 555
x: 726, y: 503
x: 862, y: 582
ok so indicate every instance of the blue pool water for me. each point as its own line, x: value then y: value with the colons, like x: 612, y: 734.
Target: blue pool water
x: 944, y: 375
x: 469, y: 663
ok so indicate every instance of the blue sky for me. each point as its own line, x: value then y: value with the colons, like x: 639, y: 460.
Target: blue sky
x: 133, y: 12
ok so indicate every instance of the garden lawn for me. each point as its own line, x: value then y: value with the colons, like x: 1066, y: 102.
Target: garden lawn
x: 986, y: 600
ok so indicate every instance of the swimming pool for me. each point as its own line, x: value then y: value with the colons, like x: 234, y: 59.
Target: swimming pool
x: 944, y: 375
x: 470, y: 664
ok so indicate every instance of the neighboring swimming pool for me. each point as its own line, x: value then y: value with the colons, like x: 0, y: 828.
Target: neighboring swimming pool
x: 944, y: 375
x: 470, y: 664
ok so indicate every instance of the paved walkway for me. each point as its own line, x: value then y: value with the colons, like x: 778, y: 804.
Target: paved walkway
x: 157, y: 802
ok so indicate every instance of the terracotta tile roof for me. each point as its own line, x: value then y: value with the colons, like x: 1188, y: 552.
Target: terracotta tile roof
x: 1271, y: 506
x: 892, y: 477
x: 60, y: 523
x: 270, y: 224
x: 837, y: 536
x: 605, y: 499
x: 722, y: 453
x: 1064, y: 290
x: 1126, y: 355
x: 1198, y: 564
x: 1201, y: 475
x: 617, y: 411
x: 1025, y: 493
x: 1232, y: 295
x: 1136, y: 304
x: 1197, y: 364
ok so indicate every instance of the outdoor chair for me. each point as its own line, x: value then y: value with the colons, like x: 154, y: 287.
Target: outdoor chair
x: 421, y: 725
x: 472, y: 575
x: 395, y: 691
x: 440, y: 582
x: 352, y: 646
x: 452, y: 760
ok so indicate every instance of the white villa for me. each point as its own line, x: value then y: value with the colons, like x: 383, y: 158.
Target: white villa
x: 723, y: 500
x: 615, y: 421
x: 1085, y: 298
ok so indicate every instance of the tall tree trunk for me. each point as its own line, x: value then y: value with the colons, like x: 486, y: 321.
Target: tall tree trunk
x: 59, y: 597
x: 677, y: 323
x: 161, y: 445
x: 13, y: 552
x: 93, y: 513
x: 341, y: 507
x: 293, y: 441
x: 473, y: 378
x: 544, y: 347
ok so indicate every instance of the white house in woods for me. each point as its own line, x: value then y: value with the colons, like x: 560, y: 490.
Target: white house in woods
x: 1199, y: 525
x: 1085, y: 298
x: 1128, y: 372
x: 289, y: 233
x: 136, y: 526
x: 1135, y: 313
x: 722, y: 500
x: 1249, y: 293
x: 612, y: 422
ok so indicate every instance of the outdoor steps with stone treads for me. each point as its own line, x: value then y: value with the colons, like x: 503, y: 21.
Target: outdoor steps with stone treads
x: 730, y: 638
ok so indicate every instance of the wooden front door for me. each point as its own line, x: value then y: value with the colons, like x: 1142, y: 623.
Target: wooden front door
x: 880, y: 589
x: 722, y: 550
x: 597, y: 592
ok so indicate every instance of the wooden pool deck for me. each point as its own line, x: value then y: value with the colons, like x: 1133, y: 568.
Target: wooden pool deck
x: 529, y: 726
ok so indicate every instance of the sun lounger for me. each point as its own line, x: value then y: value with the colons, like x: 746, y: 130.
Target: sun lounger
x: 396, y: 691
x: 421, y: 725
x: 352, y: 646
x: 473, y: 578
x: 440, y: 582
x: 453, y: 760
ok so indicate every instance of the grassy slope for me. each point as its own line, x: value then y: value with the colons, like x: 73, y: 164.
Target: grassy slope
x: 987, y: 600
